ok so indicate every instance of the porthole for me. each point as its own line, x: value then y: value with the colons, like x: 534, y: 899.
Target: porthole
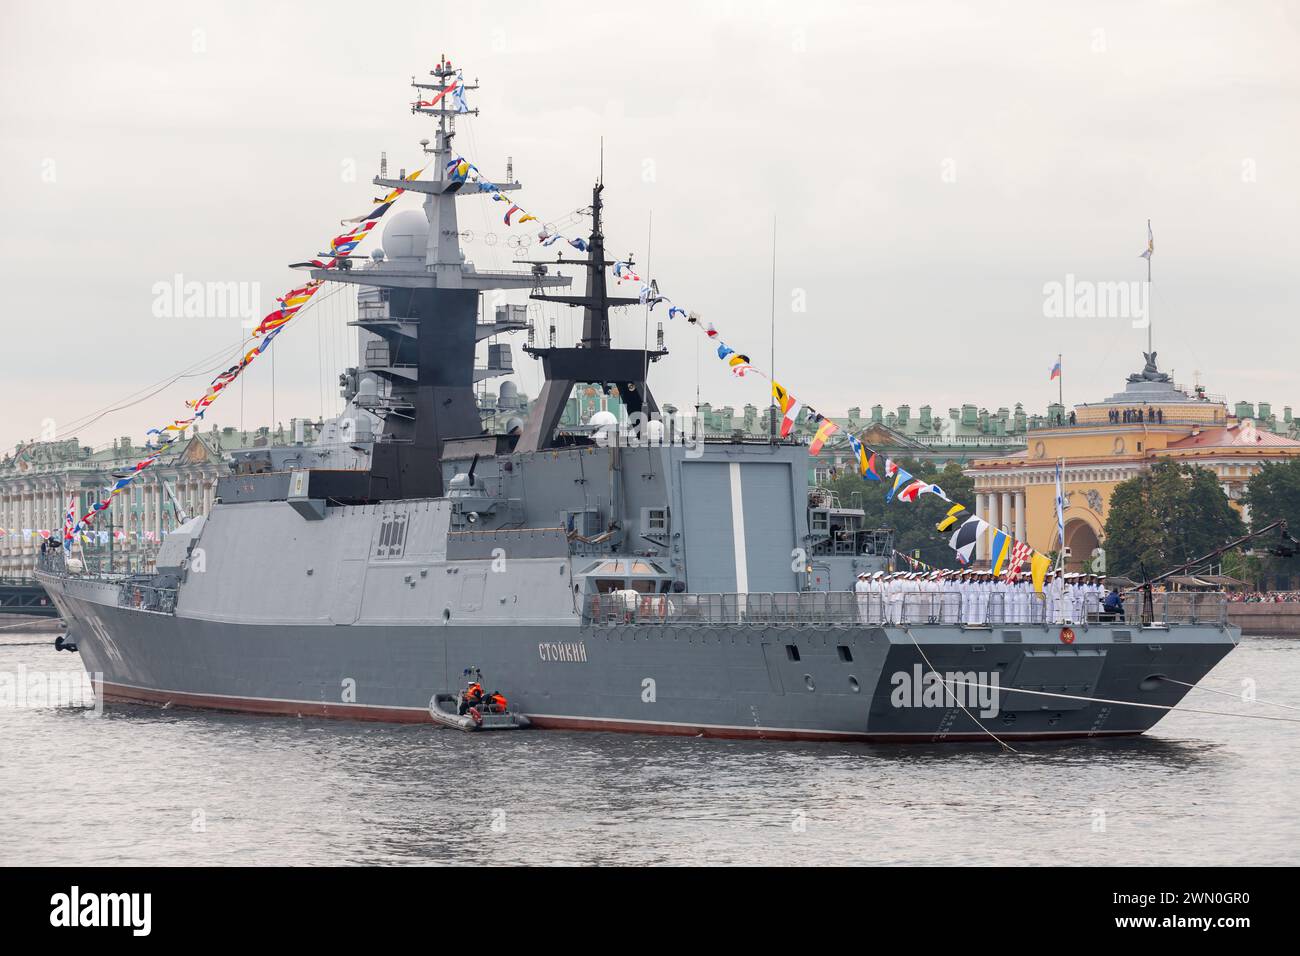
x: 808, y: 682
x: 854, y: 685
x: 446, y: 614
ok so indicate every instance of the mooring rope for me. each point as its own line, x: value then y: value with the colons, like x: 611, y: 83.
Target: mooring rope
x: 5, y: 627
x: 1224, y: 693
x: 978, y: 723
x: 1169, y: 708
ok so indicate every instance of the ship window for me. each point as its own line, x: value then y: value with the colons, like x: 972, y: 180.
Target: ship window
x: 656, y: 520
x: 644, y: 567
x: 645, y: 587
x: 606, y: 585
x: 846, y: 655
x: 792, y: 652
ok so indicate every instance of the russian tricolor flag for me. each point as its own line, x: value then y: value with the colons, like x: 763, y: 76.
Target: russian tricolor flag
x: 1056, y: 371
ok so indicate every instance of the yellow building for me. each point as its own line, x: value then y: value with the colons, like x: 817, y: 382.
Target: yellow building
x: 1099, y: 445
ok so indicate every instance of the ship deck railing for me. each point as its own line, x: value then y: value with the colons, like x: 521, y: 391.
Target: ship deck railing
x: 842, y: 607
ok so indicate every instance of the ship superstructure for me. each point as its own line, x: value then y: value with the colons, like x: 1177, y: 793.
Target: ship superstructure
x: 628, y: 575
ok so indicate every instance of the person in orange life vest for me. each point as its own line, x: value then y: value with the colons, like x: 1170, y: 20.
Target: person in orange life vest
x: 473, y: 697
x: 495, y: 702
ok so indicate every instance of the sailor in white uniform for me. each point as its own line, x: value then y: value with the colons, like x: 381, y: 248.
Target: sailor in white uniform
x: 949, y: 599
x: 969, y: 598
x: 878, y: 596
x: 1001, y: 603
x: 1096, y: 592
x: 1023, y: 595
x: 861, y: 590
x: 1056, y: 599
x: 911, y: 599
x: 1035, y: 604
x: 934, y: 591
x: 894, y: 597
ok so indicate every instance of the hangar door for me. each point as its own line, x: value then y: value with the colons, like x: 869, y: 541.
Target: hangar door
x: 738, y: 522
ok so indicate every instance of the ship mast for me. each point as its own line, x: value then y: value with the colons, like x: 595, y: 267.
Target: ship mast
x: 418, y: 312
x: 594, y: 360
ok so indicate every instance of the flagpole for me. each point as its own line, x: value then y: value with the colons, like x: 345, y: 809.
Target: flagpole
x: 1149, y: 258
x: 1060, y: 513
x: 771, y: 411
x: 1060, y: 384
x: 110, y: 540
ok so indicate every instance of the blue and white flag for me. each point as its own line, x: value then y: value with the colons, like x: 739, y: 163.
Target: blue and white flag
x: 458, y: 95
x: 1060, y: 508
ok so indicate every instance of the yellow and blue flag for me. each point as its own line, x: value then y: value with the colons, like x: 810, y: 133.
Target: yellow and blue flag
x: 999, y: 548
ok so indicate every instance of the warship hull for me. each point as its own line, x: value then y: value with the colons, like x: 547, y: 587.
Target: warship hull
x: 848, y: 682
x: 622, y: 573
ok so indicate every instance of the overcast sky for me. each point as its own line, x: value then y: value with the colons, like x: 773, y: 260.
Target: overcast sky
x: 931, y: 166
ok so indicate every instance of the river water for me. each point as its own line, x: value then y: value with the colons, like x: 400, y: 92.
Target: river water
x: 141, y: 785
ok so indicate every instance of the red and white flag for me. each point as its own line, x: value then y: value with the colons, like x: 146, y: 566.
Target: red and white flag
x: 1019, y: 555
x: 911, y: 491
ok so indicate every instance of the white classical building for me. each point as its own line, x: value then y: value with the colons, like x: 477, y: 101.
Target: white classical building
x: 37, y: 483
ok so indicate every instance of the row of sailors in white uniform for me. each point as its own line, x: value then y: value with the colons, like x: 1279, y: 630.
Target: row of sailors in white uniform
x: 976, y: 597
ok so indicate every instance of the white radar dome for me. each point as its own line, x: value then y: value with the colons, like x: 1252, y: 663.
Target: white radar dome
x: 407, y: 235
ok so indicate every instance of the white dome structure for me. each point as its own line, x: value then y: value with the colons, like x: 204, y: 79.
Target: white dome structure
x: 407, y: 235
x: 603, y: 419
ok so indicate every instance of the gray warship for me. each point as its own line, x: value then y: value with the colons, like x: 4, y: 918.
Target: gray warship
x: 636, y: 576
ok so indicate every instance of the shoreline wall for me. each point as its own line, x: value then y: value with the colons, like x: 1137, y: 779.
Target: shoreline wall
x: 1272, y: 620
